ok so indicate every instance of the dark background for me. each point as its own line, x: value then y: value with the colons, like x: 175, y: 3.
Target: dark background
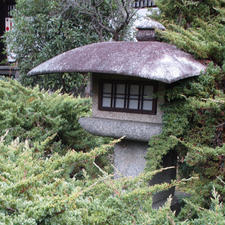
x: 4, y: 12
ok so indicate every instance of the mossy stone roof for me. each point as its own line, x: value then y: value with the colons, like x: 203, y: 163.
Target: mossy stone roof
x: 151, y: 60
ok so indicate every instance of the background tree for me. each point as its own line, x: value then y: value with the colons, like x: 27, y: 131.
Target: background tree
x: 43, y: 29
x: 106, y: 16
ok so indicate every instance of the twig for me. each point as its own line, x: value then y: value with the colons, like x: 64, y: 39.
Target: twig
x: 171, y: 220
x: 3, y: 137
x: 220, y: 125
x: 220, y: 180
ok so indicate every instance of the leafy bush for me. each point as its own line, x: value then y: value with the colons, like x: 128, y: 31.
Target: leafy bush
x: 38, y: 190
x: 194, y: 109
x: 194, y: 128
x: 40, y: 185
x: 36, y: 115
x: 195, y: 26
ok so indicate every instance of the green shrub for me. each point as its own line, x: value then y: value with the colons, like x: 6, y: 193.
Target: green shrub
x: 195, y: 26
x: 194, y: 109
x: 35, y: 190
x: 40, y: 185
x: 39, y: 190
x: 36, y: 115
x: 194, y: 128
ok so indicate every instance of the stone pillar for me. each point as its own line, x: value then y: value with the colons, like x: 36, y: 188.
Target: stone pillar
x: 129, y: 161
x: 129, y: 158
x: 129, y: 153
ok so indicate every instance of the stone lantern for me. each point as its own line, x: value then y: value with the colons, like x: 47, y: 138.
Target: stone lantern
x: 146, y: 29
x: 127, y: 83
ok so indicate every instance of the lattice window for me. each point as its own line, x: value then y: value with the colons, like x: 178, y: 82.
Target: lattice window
x: 125, y: 96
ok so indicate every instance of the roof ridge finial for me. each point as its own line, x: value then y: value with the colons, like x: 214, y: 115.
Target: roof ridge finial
x: 146, y: 29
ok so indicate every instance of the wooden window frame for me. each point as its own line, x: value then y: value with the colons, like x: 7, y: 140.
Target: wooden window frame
x: 127, y: 83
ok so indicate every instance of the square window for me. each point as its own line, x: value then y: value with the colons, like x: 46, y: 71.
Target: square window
x: 133, y: 104
x: 120, y: 89
x: 134, y: 90
x: 106, y: 102
x: 148, y: 91
x: 147, y: 105
x: 127, y: 96
x: 107, y: 88
x: 119, y: 103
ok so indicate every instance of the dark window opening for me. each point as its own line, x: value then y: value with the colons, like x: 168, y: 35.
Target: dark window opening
x: 136, y: 97
x: 143, y: 4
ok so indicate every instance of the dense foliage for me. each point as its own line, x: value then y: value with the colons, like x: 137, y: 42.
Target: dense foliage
x: 35, y: 190
x: 40, y: 185
x: 194, y: 127
x: 36, y: 115
x: 197, y: 27
x: 42, y: 181
x: 109, y: 18
x: 194, y: 119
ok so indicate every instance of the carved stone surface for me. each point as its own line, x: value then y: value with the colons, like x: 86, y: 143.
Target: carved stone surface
x: 129, y: 158
x: 145, y: 35
x: 117, y: 128
x: 148, y: 23
x: 129, y: 161
x: 146, y: 29
x: 149, y: 59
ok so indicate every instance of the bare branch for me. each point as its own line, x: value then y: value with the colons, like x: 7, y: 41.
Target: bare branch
x: 112, y: 16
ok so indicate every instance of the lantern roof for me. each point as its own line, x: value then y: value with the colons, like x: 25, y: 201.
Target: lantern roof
x: 150, y: 59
